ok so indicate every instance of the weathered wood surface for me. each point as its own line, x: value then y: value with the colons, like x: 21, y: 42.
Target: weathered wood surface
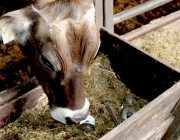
x: 12, y: 109
x: 108, y: 15
x: 158, y: 132
x: 10, y: 94
x: 137, y: 126
x: 173, y: 131
x: 99, y: 13
x: 104, y: 14
x: 146, y: 76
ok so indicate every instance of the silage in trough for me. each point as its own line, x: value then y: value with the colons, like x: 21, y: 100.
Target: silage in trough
x: 163, y: 43
x: 101, y: 84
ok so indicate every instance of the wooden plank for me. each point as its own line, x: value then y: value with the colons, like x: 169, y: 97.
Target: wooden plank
x: 158, y: 132
x: 141, y: 72
x: 173, y: 131
x: 146, y: 118
x: 146, y: 76
x: 12, y: 110
x: 99, y: 13
x: 10, y: 94
x: 108, y: 15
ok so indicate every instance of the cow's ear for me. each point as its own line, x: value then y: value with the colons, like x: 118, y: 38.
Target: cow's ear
x: 15, y: 26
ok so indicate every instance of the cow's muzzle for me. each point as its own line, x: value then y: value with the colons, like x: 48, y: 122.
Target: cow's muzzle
x: 68, y: 116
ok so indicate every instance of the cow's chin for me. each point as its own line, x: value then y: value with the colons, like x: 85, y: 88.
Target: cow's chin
x: 68, y: 116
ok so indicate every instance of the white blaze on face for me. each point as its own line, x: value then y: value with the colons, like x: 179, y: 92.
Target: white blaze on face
x: 60, y: 114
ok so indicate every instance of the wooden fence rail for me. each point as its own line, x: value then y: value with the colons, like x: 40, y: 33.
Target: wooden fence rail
x: 105, y: 17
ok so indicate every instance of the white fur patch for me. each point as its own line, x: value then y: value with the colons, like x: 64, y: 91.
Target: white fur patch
x: 90, y: 14
x: 60, y: 114
x: 18, y: 29
x: 22, y: 31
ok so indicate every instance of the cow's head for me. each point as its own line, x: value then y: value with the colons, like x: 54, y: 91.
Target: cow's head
x: 61, y: 39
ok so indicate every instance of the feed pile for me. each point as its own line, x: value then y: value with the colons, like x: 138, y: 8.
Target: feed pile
x: 101, y: 84
x: 163, y: 43
x: 13, y: 67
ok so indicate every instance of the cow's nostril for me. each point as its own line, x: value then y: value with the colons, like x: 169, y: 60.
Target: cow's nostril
x: 73, y: 120
x: 76, y: 119
x: 69, y: 121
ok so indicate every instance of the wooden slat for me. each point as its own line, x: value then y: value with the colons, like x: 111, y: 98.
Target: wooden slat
x: 99, y: 13
x: 108, y: 15
x: 158, y: 132
x: 19, y: 90
x: 144, y: 75
x: 12, y: 110
x: 173, y: 131
x: 148, y: 117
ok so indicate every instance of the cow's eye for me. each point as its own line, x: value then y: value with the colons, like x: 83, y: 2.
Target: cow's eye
x: 47, y: 63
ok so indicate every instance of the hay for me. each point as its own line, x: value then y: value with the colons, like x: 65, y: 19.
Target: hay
x: 9, y: 54
x: 13, y: 69
x: 163, y: 43
x: 100, y: 84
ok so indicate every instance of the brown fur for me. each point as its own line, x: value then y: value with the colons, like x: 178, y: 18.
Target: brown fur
x: 67, y: 40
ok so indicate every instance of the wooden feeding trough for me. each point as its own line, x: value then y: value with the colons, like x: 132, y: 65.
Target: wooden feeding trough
x: 17, y: 99
x: 145, y: 75
x: 105, y: 17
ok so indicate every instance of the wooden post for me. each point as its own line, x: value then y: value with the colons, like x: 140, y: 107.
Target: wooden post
x: 99, y: 13
x: 104, y: 14
x: 108, y: 15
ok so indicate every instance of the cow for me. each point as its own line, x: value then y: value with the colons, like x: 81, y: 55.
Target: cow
x: 60, y: 38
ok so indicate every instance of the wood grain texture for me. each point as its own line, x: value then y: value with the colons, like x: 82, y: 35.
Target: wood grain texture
x: 158, y: 132
x: 99, y: 13
x: 108, y: 15
x: 10, y: 94
x: 147, y: 77
x: 12, y: 110
x: 147, y: 118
